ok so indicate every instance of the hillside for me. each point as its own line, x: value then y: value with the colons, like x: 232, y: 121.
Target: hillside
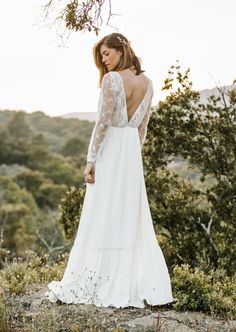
x: 206, y: 93
x: 42, y: 161
x: 40, y: 158
x: 91, y: 116
x: 56, y: 131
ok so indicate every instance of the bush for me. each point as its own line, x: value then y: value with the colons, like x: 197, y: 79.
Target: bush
x: 212, y: 293
x: 18, y: 275
x: 17, y: 216
x: 202, y: 135
x: 71, y: 207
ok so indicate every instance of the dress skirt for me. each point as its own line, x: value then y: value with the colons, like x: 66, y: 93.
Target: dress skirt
x: 115, y: 259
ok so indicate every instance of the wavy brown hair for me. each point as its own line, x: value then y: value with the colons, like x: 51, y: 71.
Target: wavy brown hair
x: 119, y: 42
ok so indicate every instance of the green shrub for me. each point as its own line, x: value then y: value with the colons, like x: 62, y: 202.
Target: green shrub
x: 212, y: 293
x: 17, y: 216
x: 18, y: 275
x: 4, y: 326
x: 185, y: 131
x: 71, y: 207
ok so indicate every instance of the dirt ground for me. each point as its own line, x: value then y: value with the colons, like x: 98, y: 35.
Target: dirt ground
x: 33, y: 312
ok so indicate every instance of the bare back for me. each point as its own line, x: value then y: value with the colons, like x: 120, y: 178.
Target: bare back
x: 135, y: 87
x: 124, y: 102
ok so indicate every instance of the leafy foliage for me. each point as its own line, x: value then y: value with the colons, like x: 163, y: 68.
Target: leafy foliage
x: 76, y: 16
x: 175, y: 205
x: 45, y: 131
x: 200, y: 224
x: 213, y: 292
x: 71, y: 207
x: 17, y: 211
x: 73, y: 147
x: 16, y: 277
x: 36, y: 176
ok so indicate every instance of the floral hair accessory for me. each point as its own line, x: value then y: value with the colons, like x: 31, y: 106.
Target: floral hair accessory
x: 122, y: 41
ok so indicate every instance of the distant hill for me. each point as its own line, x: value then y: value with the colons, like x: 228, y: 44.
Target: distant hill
x: 91, y: 116
x: 57, y: 131
x: 206, y: 93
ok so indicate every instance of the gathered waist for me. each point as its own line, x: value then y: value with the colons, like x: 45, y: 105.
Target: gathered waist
x: 125, y: 127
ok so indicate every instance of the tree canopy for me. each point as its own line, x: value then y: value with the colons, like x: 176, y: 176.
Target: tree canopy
x: 78, y: 16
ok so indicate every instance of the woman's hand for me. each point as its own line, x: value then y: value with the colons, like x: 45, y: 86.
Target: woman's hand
x: 89, y: 172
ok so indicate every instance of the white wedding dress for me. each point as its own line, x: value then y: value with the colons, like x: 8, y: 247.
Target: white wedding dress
x: 116, y: 259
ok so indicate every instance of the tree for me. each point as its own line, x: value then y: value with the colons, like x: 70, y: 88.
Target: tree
x: 17, y: 210
x: 71, y: 207
x: 16, y: 139
x: 74, y: 147
x: 85, y: 16
x: 205, y: 136
x: 60, y: 170
x: 46, y: 193
x: 18, y: 127
x: 5, y: 148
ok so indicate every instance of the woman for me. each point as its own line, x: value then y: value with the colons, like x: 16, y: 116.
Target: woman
x: 116, y: 260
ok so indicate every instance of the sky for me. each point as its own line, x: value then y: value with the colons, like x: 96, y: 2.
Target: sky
x: 38, y: 72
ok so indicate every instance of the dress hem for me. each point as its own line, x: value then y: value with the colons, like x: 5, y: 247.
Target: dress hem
x: 53, y: 297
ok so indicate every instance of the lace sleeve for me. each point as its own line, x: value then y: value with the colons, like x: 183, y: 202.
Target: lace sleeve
x: 142, y: 129
x: 103, y: 122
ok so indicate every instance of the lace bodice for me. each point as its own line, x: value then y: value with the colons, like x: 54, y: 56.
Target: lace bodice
x: 112, y: 111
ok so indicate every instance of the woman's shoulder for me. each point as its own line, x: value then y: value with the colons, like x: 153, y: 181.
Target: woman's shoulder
x: 130, y: 75
x: 146, y: 78
x: 126, y: 74
x: 109, y: 76
x: 110, y: 80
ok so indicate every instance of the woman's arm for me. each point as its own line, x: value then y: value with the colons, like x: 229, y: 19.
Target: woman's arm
x: 142, y: 129
x: 105, y: 111
x: 103, y: 122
